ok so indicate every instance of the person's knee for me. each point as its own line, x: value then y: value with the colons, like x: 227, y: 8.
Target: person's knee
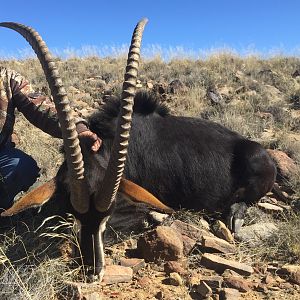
x: 28, y: 170
x: 24, y: 171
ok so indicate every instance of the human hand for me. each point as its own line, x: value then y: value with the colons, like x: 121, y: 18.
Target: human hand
x: 91, y: 139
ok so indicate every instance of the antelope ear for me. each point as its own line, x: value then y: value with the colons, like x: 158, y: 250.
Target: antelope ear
x: 36, y: 197
x: 136, y: 193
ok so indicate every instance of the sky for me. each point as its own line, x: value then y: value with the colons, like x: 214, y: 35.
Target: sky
x: 190, y: 26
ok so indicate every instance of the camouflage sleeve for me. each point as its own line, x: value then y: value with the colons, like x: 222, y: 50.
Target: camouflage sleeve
x: 39, y: 110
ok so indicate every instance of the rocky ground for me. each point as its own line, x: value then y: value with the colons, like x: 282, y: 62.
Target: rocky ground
x: 184, y: 260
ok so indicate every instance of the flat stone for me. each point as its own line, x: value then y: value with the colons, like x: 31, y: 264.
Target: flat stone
x: 229, y: 294
x: 220, y: 264
x: 145, y: 281
x: 117, y: 274
x: 285, y: 165
x: 163, y: 242
x: 204, y: 289
x: 188, y: 244
x: 189, y: 230
x: 135, y: 263
x: 268, y: 207
x: 174, y: 266
x: 255, y: 234
x: 223, y: 232
x: 217, y: 244
x: 158, y: 217
x: 238, y: 283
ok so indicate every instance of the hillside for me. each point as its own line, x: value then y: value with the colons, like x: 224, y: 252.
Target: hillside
x: 259, y: 98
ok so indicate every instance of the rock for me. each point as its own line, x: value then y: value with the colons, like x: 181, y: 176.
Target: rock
x: 176, y: 86
x: 215, y: 97
x: 204, y: 224
x: 204, y: 289
x: 296, y: 74
x: 194, y: 279
x: 174, y: 266
x: 238, y: 283
x: 158, y: 217
x: 188, y: 244
x: 217, y: 244
x: 145, y: 281
x: 117, y: 274
x: 257, y: 233
x: 222, y: 231
x: 214, y: 282
x: 159, y: 295
x: 161, y: 243
x: 293, y: 271
x: 286, y: 286
x: 286, y: 166
x: 271, y: 208
x: 220, y: 264
x: 135, y: 263
x: 189, y: 230
x: 175, y: 279
x: 229, y: 294
x: 149, y: 85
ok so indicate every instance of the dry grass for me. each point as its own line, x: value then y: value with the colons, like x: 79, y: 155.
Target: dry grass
x: 259, y: 100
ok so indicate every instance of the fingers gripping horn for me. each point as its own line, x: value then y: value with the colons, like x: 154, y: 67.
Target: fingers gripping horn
x: 110, y: 184
x: 71, y: 143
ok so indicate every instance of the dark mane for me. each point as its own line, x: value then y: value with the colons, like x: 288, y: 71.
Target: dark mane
x: 103, y: 121
x: 145, y: 104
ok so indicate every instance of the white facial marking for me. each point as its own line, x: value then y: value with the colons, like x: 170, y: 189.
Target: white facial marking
x: 102, y: 228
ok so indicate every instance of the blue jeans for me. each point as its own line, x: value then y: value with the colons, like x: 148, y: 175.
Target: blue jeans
x: 18, y: 171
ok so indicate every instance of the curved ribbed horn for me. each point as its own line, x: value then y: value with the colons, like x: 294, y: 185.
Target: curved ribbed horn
x: 110, y: 184
x: 71, y: 143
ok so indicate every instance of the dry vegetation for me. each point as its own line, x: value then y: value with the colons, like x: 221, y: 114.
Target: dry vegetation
x: 257, y: 97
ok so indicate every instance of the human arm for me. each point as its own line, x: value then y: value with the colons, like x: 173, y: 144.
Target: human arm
x: 41, y: 112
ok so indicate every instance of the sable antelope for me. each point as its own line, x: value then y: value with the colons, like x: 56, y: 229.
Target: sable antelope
x: 185, y: 162
x: 189, y: 162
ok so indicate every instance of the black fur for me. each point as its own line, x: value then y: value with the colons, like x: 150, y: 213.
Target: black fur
x: 187, y: 162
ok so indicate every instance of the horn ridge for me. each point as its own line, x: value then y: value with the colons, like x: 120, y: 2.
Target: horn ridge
x: 68, y: 128
x: 110, y: 184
